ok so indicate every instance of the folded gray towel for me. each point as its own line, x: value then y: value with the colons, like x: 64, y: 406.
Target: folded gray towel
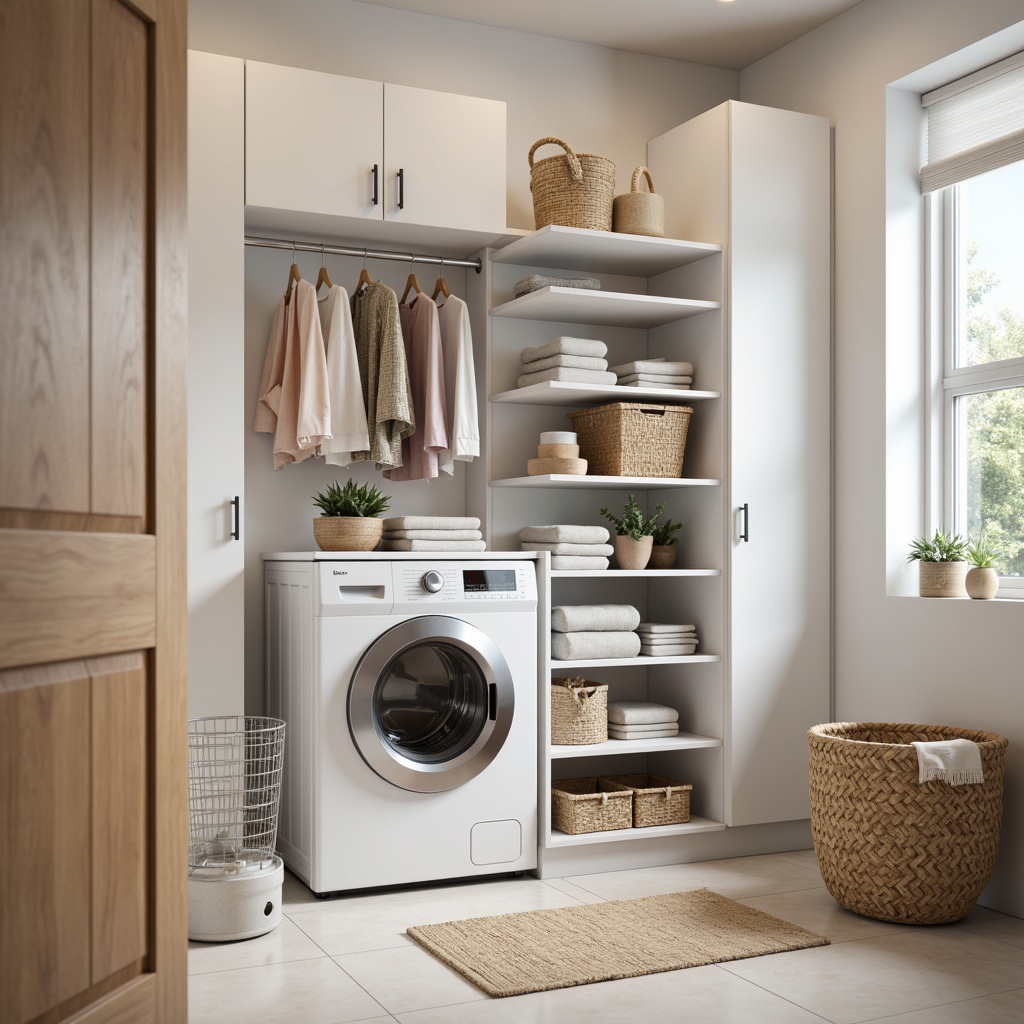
x: 566, y: 346
x: 565, y: 548
x: 651, y: 384
x: 664, y: 627
x: 582, y: 646
x: 568, y: 374
x: 658, y: 366
x: 572, y: 618
x: 669, y: 641
x: 432, y: 523
x: 577, y: 362
x: 435, y: 545
x: 654, y: 378
x: 587, y: 563
x: 568, y: 533
x: 640, y: 712
x: 534, y: 282
x: 432, y: 535
x: 667, y: 650
x: 615, y: 734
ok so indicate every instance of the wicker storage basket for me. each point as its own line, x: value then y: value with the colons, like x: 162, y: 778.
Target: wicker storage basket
x: 583, y: 805
x: 639, y: 213
x: 572, y: 189
x: 656, y: 799
x: 632, y: 438
x: 579, y: 711
x: 890, y: 847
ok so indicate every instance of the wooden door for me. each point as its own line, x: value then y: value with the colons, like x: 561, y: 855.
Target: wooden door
x: 92, y: 511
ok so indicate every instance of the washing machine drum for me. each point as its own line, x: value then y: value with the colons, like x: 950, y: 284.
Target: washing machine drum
x: 430, y: 703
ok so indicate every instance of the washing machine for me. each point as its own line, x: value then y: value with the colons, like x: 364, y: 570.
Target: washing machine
x: 409, y: 689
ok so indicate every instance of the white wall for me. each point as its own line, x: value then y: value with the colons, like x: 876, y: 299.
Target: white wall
x: 898, y: 658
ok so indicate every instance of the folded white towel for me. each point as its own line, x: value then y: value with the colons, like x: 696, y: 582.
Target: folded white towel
x: 579, y: 563
x: 618, y: 734
x: 582, y: 646
x: 652, y: 384
x: 565, y: 548
x: 567, y: 374
x: 957, y: 762
x: 640, y: 712
x: 664, y: 627
x: 658, y: 366
x: 534, y: 282
x: 574, y: 618
x: 578, y: 362
x: 568, y: 533
x: 653, y: 378
x: 432, y: 535
x: 667, y: 650
x: 566, y: 346
x: 639, y: 730
x: 435, y: 545
x: 432, y: 523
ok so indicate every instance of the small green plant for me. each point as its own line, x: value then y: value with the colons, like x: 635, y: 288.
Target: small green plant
x: 980, y: 554
x: 353, y: 500
x: 633, y: 522
x: 664, y: 533
x: 940, y: 548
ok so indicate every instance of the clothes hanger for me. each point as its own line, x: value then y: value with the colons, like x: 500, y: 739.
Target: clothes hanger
x: 294, y: 277
x: 323, y: 277
x: 411, y: 283
x: 441, y: 286
x: 364, y: 278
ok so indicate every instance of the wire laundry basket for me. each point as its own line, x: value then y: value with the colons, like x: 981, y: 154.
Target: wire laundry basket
x: 234, y: 789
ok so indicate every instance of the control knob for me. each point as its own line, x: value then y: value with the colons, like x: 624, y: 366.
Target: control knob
x: 432, y: 581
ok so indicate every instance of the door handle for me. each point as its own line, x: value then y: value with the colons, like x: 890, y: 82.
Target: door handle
x: 745, y: 532
x: 376, y: 175
x: 236, y: 518
x: 401, y: 188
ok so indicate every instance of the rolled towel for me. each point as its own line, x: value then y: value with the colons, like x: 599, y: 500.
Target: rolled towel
x: 432, y: 523
x: 639, y: 730
x: 578, y: 362
x: 432, y: 535
x: 565, y: 548
x: 665, y: 627
x: 534, y: 282
x: 578, y: 563
x: 435, y: 545
x: 566, y: 346
x: 616, y: 734
x: 574, y: 618
x: 652, y: 378
x: 566, y: 533
x: 640, y: 712
x: 657, y: 366
x: 582, y: 646
x: 957, y: 762
x: 667, y: 650
x: 568, y: 375
x: 649, y: 384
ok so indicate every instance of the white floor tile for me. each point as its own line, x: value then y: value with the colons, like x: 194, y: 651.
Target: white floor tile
x: 296, y: 896
x: 983, y: 921
x: 284, y: 943
x: 572, y: 889
x: 1005, y: 1008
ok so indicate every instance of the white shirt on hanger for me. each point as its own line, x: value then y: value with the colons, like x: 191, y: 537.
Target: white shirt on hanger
x: 459, y: 385
x: 348, y: 413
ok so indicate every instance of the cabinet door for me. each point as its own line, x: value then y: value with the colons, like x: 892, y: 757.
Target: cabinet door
x: 444, y: 159
x: 312, y: 141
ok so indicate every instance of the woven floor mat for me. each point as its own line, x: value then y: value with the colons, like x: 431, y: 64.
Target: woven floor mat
x: 537, y: 950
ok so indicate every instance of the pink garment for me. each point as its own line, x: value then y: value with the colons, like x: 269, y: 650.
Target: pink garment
x: 422, y: 337
x: 268, y: 397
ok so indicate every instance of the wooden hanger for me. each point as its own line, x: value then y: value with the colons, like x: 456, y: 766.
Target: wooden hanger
x: 411, y: 283
x: 441, y: 288
x: 293, y: 278
x: 323, y: 277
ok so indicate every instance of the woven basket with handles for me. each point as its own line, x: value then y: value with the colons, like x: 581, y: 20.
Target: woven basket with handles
x: 571, y: 189
x: 579, y: 711
x: 890, y: 847
x: 639, y: 213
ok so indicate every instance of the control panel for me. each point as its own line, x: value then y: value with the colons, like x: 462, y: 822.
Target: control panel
x: 453, y: 582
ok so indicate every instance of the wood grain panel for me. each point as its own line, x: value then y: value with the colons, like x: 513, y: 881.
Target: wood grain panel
x: 77, y: 522
x: 44, y: 844
x: 120, y: 100
x: 44, y: 254
x: 119, y: 809
x: 73, y: 595
x: 119, y: 999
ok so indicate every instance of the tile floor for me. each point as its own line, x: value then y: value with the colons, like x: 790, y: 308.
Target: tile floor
x: 349, y: 959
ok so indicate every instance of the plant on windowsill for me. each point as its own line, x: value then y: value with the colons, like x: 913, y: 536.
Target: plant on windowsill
x: 982, y: 580
x: 942, y: 564
x: 348, y: 520
x: 663, y: 553
x: 633, y: 533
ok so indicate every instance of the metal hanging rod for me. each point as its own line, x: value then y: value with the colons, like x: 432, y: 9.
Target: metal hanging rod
x: 370, y: 254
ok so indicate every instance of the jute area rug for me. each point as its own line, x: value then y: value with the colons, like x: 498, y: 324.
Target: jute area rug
x: 537, y: 950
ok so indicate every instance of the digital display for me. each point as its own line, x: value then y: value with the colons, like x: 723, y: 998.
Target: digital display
x: 478, y: 581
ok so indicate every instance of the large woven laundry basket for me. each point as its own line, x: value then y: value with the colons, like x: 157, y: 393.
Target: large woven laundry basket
x: 571, y: 189
x: 890, y: 847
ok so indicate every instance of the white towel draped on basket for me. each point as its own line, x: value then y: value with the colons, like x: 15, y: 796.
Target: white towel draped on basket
x: 957, y: 762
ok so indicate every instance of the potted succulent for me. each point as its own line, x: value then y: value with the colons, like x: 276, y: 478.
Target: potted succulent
x: 633, y: 534
x: 663, y: 553
x: 942, y: 562
x: 348, y: 518
x: 982, y: 580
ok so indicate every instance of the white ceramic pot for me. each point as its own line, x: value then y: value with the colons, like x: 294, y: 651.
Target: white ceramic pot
x: 982, y: 584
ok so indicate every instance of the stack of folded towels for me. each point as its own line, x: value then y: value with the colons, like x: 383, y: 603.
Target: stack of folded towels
x: 433, y: 533
x: 534, y: 283
x: 576, y: 360
x: 666, y: 639
x: 571, y: 547
x: 585, y: 631
x: 640, y: 720
x: 655, y: 373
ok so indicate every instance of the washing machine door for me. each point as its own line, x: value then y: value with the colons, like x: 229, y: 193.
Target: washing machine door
x: 430, y: 703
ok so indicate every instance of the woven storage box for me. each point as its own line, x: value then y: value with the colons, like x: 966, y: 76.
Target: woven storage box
x: 656, y: 799
x: 632, y: 438
x: 572, y: 189
x: 890, y: 847
x: 582, y: 805
x: 579, y: 711
x: 639, y: 213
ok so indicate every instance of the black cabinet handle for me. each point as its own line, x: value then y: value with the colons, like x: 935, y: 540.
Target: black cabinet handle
x: 236, y: 518
x: 745, y: 532
x: 376, y: 173
x: 401, y: 188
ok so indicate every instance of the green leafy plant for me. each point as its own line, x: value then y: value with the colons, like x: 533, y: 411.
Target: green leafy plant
x: 353, y: 500
x: 664, y: 533
x: 980, y: 553
x: 941, y: 548
x: 633, y: 523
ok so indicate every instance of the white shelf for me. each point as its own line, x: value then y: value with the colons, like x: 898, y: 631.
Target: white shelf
x: 620, y: 573
x: 602, y: 252
x: 695, y: 824
x: 641, y: 659
x: 609, y: 309
x: 554, y: 392
x: 592, y: 482
x: 684, y: 741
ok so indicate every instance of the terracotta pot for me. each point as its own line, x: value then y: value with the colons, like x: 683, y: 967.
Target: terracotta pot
x: 632, y: 554
x: 942, y: 579
x: 347, y: 533
x: 982, y: 584
x: 663, y: 556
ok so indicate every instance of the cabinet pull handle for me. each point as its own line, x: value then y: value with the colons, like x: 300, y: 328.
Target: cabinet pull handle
x: 375, y: 172
x: 745, y: 532
x: 401, y: 188
x: 236, y: 518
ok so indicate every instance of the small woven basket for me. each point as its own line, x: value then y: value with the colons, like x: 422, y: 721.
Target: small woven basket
x: 657, y: 800
x: 579, y: 711
x: 639, y: 213
x: 347, y: 533
x: 632, y: 439
x: 584, y: 805
x: 890, y: 847
x: 572, y: 189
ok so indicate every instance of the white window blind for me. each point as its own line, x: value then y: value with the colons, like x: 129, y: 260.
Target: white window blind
x: 975, y: 124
